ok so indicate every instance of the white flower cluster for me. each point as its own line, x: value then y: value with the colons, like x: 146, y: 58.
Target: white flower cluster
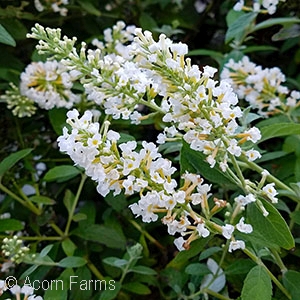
x: 16, y: 290
x: 124, y: 168
x: 117, y: 40
x: 193, y: 106
x: 263, y: 6
x: 262, y: 88
x: 56, y: 6
x: 48, y: 84
x: 205, y: 110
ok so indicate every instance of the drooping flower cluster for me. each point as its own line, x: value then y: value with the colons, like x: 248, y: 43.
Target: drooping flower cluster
x: 262, y: 88
x: 124, y: 168
x: 57, y: 6
x: 192, y: 105
x: 48, y: 84
x: 262, y: 6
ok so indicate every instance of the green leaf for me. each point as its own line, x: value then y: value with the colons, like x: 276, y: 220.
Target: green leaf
x: 295, y: 215
x: 115, y: 262
x: 6, y: 38
x: 240, y: 27
x: 68, y: 246
x: 143, y: 270
x: 251, y: 49
x: 46, y: 250
x: 197, y: 269
x: 239, y: 266
x: 279, y: 129
x: 183, y: 257
x: 257, y: 285
x: 287, y: 32
x: 68, y: 200
x: 194, y: 162
x: 80, y: 292
x: 15, y: 27
x: 270, y: 231
x: 271, y: 156
x: 40, y: 260
x: 106, y: 235
x: 89, y: 7
x: 42, y: 200
x: 61, y: 173
x: 29, y: 271
x: 217, y: 56
x: 291, y: 280
x: 112, y: 291
x: 209, y: 252
x: 136, y: 288
x: 72, y: 262
x: 275, y: 21
x: 79, y: 217
x: 57, y: 117
x: 12, y: 159
x: 10, y: 225
x: 147, y: 22
x: 59, y: 291
x: 232, y: 15
x: 118, y: 202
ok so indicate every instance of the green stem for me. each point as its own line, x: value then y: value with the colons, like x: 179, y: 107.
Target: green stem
x: 270, y: 177
x: 279, y: 261
x: 292, y: 222
x: 94, y: 270
x: 74, y: 205
x: 147, y: 235
x: 238, y: 171
x: 258, y: 261
x: 151, y: 105
x: 57, y: 230
x: 19, y: 134
x: 27, y: 204
x: 215, y: 294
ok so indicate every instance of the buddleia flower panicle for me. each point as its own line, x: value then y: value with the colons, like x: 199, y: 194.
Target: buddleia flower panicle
x: 193, y: 106
x: 261, y: 87
x: 200, y: 108
x: 127, y: 168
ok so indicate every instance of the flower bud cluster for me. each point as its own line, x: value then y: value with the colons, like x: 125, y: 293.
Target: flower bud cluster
x: 20, y: 105
x: 14, y: 249
x: 262, y: 88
